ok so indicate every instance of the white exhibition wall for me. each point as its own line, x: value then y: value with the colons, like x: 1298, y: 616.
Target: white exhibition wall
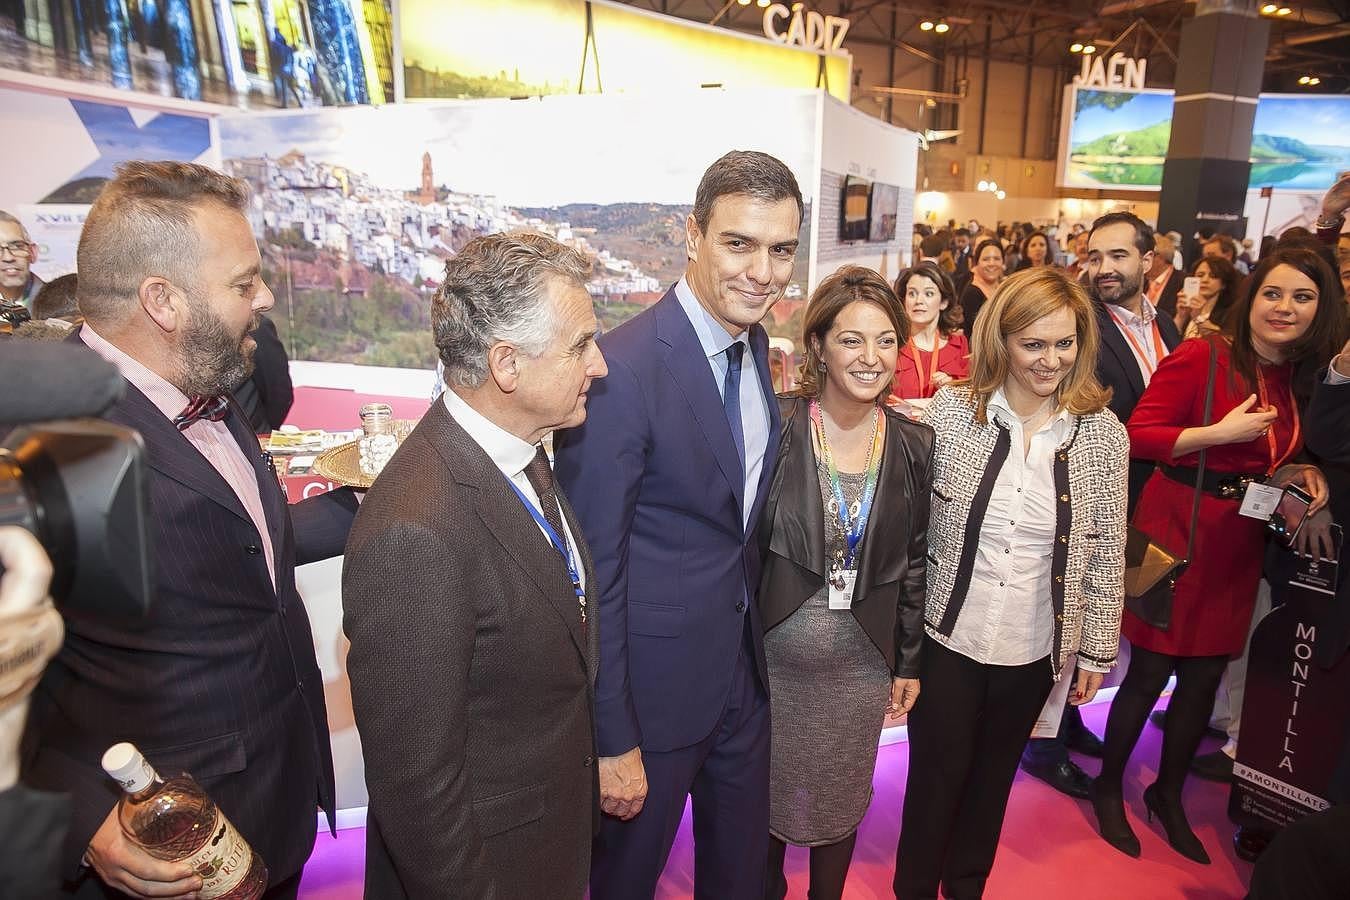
x: 854, y: 143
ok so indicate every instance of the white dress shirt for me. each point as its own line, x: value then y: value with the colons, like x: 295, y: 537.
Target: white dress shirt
x: 754, y: 410
x: 1140, y: 328
x: 511, y: 455
x: 1007, y: 618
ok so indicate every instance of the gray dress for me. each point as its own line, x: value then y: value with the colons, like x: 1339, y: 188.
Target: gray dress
x: 828, y: 690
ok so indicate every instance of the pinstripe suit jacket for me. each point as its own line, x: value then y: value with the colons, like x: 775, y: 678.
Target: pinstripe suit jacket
x: 220, y: 680
x: 472, y: 682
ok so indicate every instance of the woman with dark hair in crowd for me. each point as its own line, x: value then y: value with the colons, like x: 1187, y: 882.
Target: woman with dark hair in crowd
x: 1287, y: 324
x: 844, y: 541
x: 936, y: 352
x: 1036, y: 251
x: 986, y: 271
x: 1026, y: 568
x: 1206, y: 312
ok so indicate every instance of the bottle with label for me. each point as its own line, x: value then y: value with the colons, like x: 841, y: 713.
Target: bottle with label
x: 175, y: 820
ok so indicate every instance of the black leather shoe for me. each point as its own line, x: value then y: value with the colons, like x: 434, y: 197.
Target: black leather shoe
x: 1085, y: 742
x: 1250, y: 843
x: 1216, y: 766
x: 1064, y: 777
x: 1159, y: 718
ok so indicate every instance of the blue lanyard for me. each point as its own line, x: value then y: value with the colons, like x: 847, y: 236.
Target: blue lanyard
x: 553, y: 538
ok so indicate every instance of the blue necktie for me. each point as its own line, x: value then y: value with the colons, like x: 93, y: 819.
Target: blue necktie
x: 731, y: 398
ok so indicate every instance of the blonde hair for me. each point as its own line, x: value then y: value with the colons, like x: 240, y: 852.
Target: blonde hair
x: 848, y: 285
x: 1020, y: 301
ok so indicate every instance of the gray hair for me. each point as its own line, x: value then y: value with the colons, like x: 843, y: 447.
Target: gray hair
x: 495, y: 289
x: 14, y: 220
x: 142, y: 225
x: 759, y: 175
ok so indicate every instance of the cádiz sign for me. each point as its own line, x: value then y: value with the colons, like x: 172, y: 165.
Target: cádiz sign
x: 1116, y: 71
x: 810, y: 30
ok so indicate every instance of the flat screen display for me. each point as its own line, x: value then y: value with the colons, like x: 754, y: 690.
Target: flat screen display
x: 854, y: 213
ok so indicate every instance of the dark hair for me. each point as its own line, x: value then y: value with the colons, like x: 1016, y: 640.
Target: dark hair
x: 845, y: 286
x: 1143, y: 234
x: 1298, y: 231
x: 56, y: 298
x: 1049, y: 247
x: 962, y: 232
x: 934, y: 244
x: 1227, y: 246
x: 745, y: 172
x: 1267, y: 245
x: 1227, y: 274
x: 947, y: 320
x: 1308, y: 242
x: 979, y: 250
x: 1324, y: 336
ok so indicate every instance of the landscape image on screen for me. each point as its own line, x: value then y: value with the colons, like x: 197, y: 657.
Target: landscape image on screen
x: 1119, y: 139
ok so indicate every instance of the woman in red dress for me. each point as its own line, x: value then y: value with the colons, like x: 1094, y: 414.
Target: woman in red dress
x: 937, y: 352
x: 1290, y: 319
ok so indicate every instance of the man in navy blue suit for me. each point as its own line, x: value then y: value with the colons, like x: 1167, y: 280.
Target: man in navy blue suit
x: 667, y: 477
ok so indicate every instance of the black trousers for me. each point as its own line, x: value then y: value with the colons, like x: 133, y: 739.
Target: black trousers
x: 966, y: 735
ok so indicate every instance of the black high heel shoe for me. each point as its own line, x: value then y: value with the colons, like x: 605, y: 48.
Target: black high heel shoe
x: 1173, y: 819
x: 1111, y: 822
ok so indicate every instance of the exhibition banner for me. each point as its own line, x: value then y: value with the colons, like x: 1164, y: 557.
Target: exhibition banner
x: 519, y: 48
x: 1117, y: 139
x: 83, y: 140
x: 1293, y: 713
x: 357, y: 210
x: 241, y: 52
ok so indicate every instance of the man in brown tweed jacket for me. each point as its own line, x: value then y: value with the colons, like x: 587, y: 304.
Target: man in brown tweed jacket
x: 464, y: 589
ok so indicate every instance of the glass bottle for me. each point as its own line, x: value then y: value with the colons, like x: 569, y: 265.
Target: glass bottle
x: 175, y: 820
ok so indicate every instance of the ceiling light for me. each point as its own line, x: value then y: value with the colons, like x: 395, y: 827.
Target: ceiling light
x: 1314, y: 80
x: 1075, y: 47
x: 1304, y: 79
x: 993, y: 185
x: 982, y: 186
x: 942, y: 27
x: 929, y: 102
x: 1090, y: 48
x: 743, y: 2
x: 1000, y: 195
x: 1269, y: 9
x: 1283, y: 11
x: 925, y: 25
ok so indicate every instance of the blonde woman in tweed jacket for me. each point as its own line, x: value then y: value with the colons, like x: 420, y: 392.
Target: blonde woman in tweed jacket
x: 1025, y: 569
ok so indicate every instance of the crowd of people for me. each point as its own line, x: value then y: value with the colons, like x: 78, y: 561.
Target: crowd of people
x: 710, y: 593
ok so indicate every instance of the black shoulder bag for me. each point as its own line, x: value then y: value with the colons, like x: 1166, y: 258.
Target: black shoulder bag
x: 1151, y: 570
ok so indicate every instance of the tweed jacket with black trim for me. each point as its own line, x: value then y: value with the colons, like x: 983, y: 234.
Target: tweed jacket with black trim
x: 1088, y: 563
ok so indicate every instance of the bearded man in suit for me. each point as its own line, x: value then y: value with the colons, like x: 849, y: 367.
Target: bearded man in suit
x: 219, y: 679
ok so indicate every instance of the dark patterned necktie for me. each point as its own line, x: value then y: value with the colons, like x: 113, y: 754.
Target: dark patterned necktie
x: 199, y: 408
x: 540, y: 476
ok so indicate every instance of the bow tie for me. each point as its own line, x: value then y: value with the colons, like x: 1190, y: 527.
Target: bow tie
x: 202, y: 408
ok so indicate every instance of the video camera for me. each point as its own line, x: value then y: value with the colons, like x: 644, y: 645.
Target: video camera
x: 78, y: 484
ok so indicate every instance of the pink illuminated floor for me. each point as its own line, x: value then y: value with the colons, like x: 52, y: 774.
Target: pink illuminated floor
x: 1050, y: 847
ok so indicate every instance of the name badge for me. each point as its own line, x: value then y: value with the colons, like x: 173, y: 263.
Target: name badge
x: 1260, y: 501
x: 841, y: 589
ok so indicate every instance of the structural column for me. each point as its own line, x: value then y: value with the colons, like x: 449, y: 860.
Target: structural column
x: 1219, y: 71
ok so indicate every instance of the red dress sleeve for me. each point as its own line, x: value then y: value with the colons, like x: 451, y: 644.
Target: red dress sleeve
x: 955, y: 357
x: 1169, y: 403
x: 906, y: 385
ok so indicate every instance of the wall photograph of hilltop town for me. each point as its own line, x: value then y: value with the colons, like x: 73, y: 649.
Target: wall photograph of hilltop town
x: 357, y: 210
